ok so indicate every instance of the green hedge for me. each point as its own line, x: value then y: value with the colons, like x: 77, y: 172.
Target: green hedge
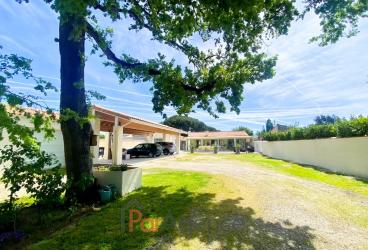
x: 344, y: 128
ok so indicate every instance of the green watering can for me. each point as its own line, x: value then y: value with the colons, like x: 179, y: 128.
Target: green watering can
x: 105, y: 194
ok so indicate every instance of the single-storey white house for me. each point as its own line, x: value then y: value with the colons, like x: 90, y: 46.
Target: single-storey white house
x: 225, y: 140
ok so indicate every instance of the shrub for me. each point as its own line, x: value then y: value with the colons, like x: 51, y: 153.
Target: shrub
x: 206, y: 148
x: 121, y: 167
x: 356, y: 126
x: 284, y: 136
x: 319, y: 131
x: 25, y: 168
x: 268, y: 136
x: 297, y: 134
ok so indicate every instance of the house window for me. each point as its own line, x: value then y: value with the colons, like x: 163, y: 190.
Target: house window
x: 101, y: 152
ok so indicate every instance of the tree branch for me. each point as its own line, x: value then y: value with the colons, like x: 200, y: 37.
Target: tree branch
x: 208, y: 86
x: 107, y: 51
x: 28, y: 99
x: 141, y: 22
x: 111, y: 56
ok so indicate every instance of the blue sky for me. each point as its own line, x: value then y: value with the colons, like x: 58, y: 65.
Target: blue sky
x: 310, y: 80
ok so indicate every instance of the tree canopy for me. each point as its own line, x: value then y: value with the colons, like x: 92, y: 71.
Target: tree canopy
x: 269, y: 125
x: 187, y: 124
x: 214, y: 78
x: 242, y: 128
x: 326, y: 119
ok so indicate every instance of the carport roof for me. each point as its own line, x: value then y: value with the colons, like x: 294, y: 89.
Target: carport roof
x: 133, y: 122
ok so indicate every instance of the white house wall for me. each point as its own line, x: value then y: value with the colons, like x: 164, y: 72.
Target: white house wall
x: 170, y: 138
x: 54, y: 145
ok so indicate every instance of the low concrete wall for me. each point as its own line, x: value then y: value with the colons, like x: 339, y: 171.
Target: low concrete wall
x: 341, y: 155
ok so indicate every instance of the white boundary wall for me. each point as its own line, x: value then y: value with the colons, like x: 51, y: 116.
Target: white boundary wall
x: 341, y: 155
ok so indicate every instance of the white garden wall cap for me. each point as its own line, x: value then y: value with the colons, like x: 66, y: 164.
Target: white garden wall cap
x: 311, y: 139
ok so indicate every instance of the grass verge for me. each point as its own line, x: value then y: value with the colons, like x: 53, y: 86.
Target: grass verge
x: 348, y: 183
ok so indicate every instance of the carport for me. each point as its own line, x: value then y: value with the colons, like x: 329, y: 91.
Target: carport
x: 113, y: 131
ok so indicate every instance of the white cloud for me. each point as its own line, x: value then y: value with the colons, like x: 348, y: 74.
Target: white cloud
x: 118, y: 90
x: 9, y: 42
x: 312, y: 80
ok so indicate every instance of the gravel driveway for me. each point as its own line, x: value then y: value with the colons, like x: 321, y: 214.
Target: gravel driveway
x: 332, y: 214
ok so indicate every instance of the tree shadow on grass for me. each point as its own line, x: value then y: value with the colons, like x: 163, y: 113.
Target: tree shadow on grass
x: 188, y: 218
x: 220, y: 224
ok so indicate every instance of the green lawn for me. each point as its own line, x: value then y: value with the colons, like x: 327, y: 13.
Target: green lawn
x: 103, y: 229
x: 194, y: 209
x: 349, y: 183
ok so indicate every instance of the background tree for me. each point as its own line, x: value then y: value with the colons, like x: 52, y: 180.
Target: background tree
x: 269, y: 125
x: 21, y: 158
x: 213, y: 77
x: 326, y: 119
x: 242, y: 128
x: 187, y: 124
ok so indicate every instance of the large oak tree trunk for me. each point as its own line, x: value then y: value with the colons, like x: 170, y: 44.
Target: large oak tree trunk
x: 72, y: 98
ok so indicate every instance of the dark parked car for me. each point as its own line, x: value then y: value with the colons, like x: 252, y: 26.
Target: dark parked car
x: 247, y: 148
x: 250, y: 148
x: 168, y: 147
x: 145, y: 149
